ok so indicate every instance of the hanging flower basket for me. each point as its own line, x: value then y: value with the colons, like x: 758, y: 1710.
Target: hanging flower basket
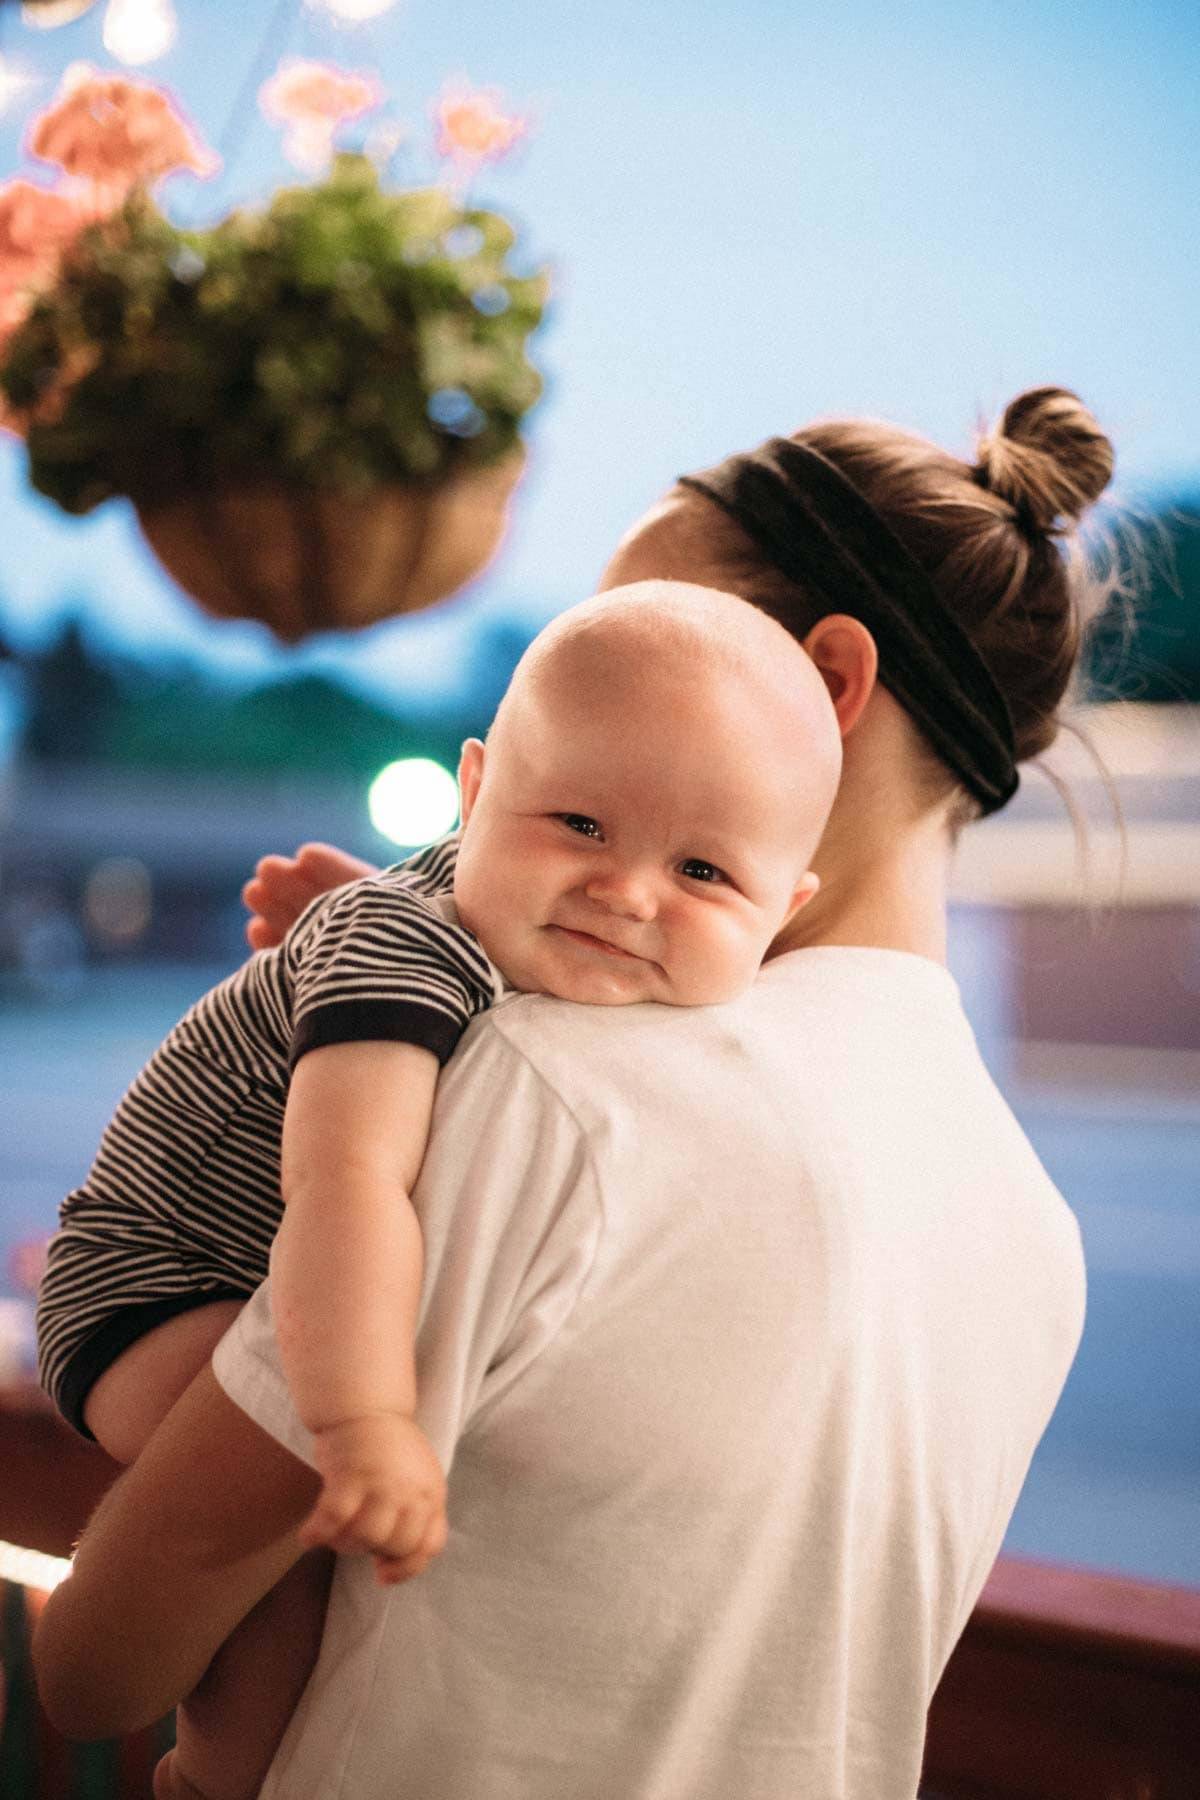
x: 314, y: 407
x: 307, y: 559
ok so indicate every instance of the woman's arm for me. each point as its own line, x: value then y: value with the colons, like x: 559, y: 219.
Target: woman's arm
x: 346, y: 1285
x: 181, y: 1548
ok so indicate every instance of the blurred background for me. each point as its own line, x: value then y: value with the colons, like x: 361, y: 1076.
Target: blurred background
x: 755, y: 214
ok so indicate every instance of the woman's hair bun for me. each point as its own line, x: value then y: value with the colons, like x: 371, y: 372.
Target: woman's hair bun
x: 1048, y: 458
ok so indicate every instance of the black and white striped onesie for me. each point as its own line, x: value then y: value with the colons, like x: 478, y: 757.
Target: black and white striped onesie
x: 182, y: 1202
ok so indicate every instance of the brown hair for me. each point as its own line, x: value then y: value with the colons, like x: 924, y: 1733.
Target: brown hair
x: 997, y: 537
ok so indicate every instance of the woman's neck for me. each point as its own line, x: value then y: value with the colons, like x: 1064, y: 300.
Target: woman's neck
x: 884, y: 858
x: 879, y: 889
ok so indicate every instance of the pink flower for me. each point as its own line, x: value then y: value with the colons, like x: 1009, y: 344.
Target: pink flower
x: 14, y: 309
x: 300, y: 93
x: 36, y: 226
x: 471, y: 127
x: 116, y: 133
x: 312, y: 99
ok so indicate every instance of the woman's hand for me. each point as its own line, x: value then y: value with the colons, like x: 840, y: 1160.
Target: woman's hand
x: 384, y: 1493
x: 282, y: 886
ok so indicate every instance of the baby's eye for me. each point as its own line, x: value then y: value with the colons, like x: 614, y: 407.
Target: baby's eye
x: 697, y: 870
x: 578, y: 822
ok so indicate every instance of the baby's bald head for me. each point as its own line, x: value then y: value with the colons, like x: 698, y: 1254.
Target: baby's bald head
x: 671, y: 647
x: 641, y: 821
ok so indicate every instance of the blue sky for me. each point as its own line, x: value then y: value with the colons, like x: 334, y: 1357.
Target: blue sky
x: 756, y: 214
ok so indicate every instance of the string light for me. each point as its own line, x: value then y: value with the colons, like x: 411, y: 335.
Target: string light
x: 32, y: 1568
x: 139, y: 31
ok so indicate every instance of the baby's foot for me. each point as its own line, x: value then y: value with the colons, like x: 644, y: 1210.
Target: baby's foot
x: 170, y: 1784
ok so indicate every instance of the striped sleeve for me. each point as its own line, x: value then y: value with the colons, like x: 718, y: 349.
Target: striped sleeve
x: 384, y: 963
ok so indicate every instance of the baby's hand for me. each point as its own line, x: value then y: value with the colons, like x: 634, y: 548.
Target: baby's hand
x: 282, y: 886
x: 384, y: 1492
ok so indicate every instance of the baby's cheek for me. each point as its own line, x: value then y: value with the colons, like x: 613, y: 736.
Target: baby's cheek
x: 720, y: 964
x: 487, y: 908
x: 520, y: 959
x: 744, y: 946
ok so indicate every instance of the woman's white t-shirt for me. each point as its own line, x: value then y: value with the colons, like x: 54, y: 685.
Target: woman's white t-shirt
x: 740, y: 1326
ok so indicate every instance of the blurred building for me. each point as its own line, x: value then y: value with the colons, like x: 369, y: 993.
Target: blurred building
x: 1080, y: 945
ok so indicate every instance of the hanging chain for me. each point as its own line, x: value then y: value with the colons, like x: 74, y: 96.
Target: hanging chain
x: 241, y: 111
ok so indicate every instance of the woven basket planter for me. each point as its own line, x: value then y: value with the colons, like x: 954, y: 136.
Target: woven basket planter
x: 303, y: 560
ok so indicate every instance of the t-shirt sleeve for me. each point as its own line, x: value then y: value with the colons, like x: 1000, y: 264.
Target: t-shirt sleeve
x: 384, y: 962
x: 510, y: 1222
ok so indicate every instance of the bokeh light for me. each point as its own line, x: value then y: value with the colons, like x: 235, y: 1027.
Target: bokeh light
x: 14, y: 82
x: 139, y: 31
x: 117, y: 901
x: 45, y: 15
x: 413, y: 801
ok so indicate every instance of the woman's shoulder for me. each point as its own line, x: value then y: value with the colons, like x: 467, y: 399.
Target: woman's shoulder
x: 816, y: 1024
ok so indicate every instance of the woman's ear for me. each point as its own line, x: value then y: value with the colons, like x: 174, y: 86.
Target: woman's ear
x: 846, y: 658
x: 470, y: 774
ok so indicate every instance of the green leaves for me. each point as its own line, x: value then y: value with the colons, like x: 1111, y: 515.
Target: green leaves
x: 343, y: 336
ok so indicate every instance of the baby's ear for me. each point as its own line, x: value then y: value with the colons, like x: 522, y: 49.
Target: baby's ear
x: 470, y: 774
x: 807, y: 887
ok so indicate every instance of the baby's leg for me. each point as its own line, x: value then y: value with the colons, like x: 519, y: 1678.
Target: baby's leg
x: 230, y: 1728
x: 138, y: 1390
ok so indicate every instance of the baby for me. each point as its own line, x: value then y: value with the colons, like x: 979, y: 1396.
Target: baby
x: 638, y: 827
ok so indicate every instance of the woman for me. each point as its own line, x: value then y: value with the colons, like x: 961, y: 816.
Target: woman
x: 737, y: 1340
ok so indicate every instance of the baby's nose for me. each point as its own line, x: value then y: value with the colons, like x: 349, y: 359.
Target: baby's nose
x: 624, y: 891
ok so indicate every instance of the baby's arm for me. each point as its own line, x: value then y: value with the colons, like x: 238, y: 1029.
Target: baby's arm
x: 346, y: 1284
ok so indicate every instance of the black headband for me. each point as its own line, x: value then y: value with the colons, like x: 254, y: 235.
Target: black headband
x: 821, y: 532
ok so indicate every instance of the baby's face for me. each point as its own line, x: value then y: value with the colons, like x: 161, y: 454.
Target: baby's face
x: 644, y: 849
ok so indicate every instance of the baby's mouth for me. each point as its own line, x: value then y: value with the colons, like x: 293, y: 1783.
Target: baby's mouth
x: 591, y: 942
